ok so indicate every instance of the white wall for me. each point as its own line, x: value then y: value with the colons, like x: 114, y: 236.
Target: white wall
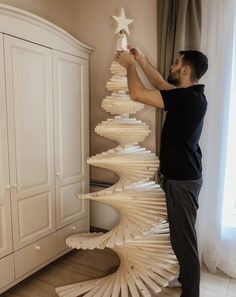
x: 102, y: 216
x: 56, y: 11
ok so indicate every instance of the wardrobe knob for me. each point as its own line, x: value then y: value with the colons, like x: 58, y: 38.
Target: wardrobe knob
x: 37, y: 247
x: 14, y: 185
x: 73, y: 228
x: 58, y: 174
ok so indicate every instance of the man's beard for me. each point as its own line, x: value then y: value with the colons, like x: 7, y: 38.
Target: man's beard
x: 174, y: 78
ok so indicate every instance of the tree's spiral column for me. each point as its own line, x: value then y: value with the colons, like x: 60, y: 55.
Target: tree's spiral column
x: 141, y: 238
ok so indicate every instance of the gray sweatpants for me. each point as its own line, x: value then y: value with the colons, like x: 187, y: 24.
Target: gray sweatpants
x: 182, y: 205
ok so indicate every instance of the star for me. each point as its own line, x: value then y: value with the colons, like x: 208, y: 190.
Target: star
x: 122, y: 21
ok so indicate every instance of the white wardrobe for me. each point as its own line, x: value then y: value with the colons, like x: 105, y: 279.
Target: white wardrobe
x: 44, y: 132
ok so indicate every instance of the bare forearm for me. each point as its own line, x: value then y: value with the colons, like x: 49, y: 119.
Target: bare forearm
x: 137, y: 90
x: 134, y: 83
x: 152, y: 73
x: 139, y: 93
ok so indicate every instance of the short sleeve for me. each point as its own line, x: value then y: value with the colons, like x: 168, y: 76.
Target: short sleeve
x: 170, y: 98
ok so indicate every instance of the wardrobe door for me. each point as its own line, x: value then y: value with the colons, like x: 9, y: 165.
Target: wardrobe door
x: 71, y: 135
x: 30, y: 125
x: 5, y: 211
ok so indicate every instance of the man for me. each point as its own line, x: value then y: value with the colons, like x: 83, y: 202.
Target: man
x: 180, y: 155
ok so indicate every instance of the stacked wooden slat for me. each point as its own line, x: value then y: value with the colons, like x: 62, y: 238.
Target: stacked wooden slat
x: 120, y: 103
x: 130, y: 163
x: 146, y: 264
x: 141, y: 238
x: 140, y: 208
x: 126, y: 131
x: 118, y: 70
x: 117, y: 83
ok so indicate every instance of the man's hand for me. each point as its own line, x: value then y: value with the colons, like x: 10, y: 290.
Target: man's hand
x: 124, y: 58
x: 136, y: 52
x: 137, y: 90
x: 151, y: 72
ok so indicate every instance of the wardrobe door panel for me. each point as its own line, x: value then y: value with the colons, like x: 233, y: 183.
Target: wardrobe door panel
x: 70, y: 95
x: 5, y: 211
x: 30, y: 122
x: 6, y: 271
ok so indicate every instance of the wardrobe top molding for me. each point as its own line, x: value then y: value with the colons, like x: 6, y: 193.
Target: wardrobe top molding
x: 23, y: 24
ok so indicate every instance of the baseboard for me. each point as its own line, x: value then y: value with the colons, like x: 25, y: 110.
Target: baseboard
x: 97, y: 229
x: 100, y: 184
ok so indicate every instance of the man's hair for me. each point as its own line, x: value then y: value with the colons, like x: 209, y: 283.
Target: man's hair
x: 197, y: 61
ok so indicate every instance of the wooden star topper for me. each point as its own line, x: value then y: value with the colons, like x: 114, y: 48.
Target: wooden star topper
x: 122, y: 21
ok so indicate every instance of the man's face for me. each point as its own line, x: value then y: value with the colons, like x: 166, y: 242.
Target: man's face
x: 174, y: 77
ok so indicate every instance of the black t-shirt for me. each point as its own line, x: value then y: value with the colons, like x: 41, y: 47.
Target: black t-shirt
x: 180, y: 154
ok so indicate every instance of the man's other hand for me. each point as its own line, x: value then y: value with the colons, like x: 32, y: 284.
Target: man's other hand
x: 124, y: 58
x: 136, y: 52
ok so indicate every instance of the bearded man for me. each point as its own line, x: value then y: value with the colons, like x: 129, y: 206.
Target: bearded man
x: 180, y: 155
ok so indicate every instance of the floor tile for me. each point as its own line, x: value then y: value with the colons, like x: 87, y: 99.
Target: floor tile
x: 210, y: 293
x: 217, y: 282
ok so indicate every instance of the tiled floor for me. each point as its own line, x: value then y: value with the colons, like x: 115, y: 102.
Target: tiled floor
x: 217, y: 285
x: 83, y: 265
x: 212, y: 285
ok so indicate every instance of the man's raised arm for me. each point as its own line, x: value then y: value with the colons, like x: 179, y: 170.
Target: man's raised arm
x: 137, y: 90
x: 151, y: 72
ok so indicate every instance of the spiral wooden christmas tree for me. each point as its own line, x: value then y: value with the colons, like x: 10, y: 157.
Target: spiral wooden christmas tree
x: 141, y: 238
